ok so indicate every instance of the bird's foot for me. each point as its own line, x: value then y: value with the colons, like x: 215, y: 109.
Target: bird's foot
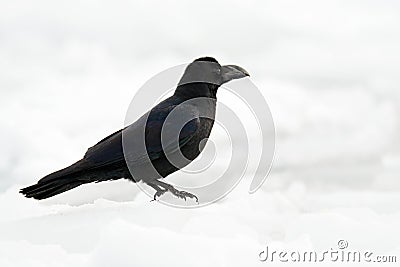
x: 159, y: 193
x: 162, y: 188
x: 183, y: 194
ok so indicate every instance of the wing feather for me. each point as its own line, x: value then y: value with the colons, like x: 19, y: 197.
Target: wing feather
x: 110, y: 150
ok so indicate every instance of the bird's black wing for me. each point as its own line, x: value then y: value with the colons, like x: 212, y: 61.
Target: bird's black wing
x: 110, y: 150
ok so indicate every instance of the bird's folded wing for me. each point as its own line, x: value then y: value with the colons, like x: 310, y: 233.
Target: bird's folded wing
x: 111, y: 149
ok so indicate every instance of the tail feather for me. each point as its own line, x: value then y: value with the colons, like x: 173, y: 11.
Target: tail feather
x: 43, y: 190
x: 57, y: 182
x: 79, y: 173
x: 37, y: 188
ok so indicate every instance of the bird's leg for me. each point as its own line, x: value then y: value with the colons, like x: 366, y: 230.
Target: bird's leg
x: 159, y: 191
x: 175, y: 192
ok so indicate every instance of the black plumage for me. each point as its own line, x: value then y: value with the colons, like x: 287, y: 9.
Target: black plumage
x: 195, y: 95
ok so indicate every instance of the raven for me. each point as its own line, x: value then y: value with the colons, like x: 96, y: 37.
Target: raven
x: 107, y: 159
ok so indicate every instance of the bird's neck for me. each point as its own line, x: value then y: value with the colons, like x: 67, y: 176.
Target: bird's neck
x: 195, y: 90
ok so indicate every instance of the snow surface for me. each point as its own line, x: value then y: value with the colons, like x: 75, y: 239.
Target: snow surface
x: 329, y: 71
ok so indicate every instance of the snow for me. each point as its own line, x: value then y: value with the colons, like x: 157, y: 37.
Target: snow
x: 329, y: 72
x: 229, y: 233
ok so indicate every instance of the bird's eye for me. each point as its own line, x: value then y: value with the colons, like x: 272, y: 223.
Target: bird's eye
x: 218, y: 71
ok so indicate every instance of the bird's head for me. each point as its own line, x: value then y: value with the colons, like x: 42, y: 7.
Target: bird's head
x: 205, y: 75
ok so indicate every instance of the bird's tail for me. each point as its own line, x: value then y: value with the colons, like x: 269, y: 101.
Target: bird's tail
x: 48, y: 189
x: 57, y: 182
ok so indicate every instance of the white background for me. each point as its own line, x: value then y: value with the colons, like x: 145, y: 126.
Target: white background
x: 328, y: 69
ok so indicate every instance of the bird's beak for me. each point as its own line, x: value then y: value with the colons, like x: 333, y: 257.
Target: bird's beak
x: 231, y: 72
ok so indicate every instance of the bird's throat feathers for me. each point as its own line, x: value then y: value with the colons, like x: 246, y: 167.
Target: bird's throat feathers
x: 196, y: 89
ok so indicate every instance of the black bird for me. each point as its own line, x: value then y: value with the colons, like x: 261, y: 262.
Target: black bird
x: 148, y: 158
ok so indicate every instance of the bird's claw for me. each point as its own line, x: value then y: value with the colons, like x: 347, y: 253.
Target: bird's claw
x: 159, y: 193
x: 162, y: 188
x: 183, y: 195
